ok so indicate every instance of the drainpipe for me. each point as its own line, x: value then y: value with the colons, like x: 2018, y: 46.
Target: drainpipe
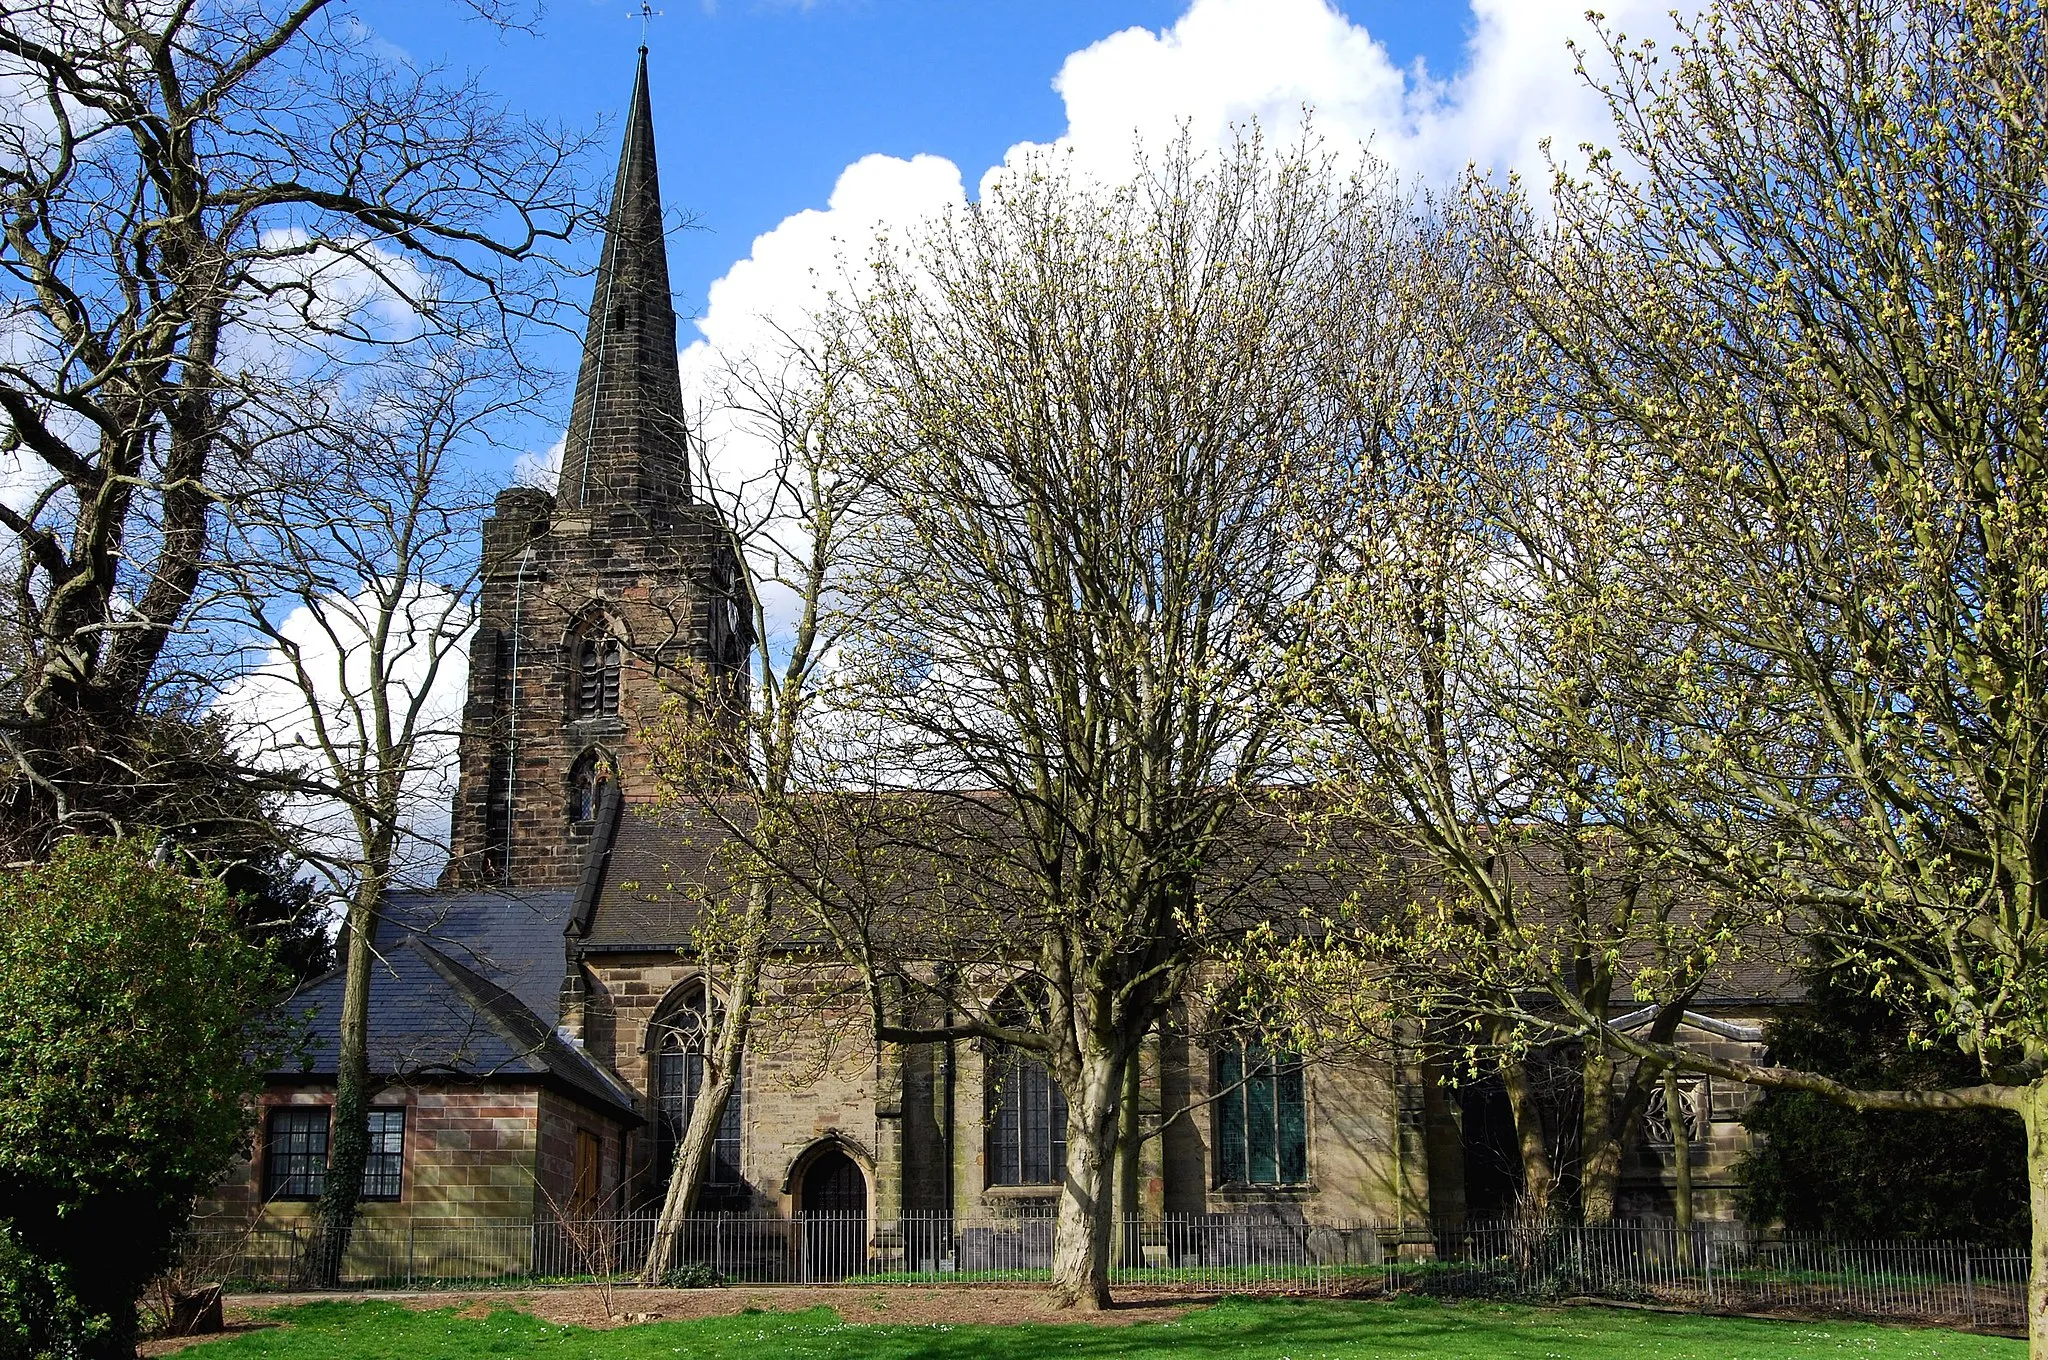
x: 512, y: 701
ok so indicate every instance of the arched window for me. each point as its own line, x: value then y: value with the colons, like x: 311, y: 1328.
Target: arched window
x: 682, y: 1040
x: 1261, y: 1116
x: 597, y: 659
x: 1026, y: 1111
x: 587, y: 778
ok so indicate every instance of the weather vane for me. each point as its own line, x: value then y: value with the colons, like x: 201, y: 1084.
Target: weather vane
x: 646, y: 13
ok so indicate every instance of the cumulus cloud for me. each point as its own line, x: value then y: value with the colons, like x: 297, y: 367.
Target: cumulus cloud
x: 1222, y: 65
x: 281, y: 725
x: 762, y: 304
x: 1226, y: 63
x: 791, y: 270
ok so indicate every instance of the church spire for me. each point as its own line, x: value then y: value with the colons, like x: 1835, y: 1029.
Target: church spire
x: 626, y: 447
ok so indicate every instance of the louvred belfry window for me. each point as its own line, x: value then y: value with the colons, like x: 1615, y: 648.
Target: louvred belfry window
x: 597, y: 678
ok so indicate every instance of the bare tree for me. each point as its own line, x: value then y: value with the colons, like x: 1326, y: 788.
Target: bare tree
x: 203, y: 210
x: 1093, y: 420
x: 351, y: 574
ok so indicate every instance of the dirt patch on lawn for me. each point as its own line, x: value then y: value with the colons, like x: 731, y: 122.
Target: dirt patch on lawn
x: 171, y: 1345
x: 585, y: 1307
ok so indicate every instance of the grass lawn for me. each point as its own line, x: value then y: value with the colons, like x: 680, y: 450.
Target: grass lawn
x: 1296, y: 1329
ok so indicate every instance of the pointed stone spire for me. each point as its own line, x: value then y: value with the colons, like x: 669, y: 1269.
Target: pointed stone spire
x: 626, y: 447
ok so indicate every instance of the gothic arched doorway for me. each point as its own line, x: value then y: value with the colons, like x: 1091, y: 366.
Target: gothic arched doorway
x: 832, y: 1217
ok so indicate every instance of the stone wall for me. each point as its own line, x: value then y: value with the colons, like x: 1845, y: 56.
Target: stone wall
x: 649, y: 580
x: 470, y: 1151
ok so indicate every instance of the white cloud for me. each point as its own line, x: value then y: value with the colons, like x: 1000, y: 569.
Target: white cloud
x: 1228, y: 62
x: 763, y: 301
x: 274, y: 720
x: 1222, y: 64
x: 790, y: 270
x: 541, y: 469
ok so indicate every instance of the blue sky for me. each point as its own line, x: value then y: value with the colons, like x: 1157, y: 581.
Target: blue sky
x: 761, y: 105
x: 791, y: 130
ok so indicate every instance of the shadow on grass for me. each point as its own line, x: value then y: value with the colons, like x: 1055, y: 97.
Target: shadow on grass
x: 1238, y: 1328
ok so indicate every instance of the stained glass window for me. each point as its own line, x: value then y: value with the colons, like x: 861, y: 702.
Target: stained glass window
x: 1261, y: 1117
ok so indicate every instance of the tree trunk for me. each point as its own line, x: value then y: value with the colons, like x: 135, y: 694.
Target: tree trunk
x: 1599, y: 1139
x: 693, y: 1158
x: 2034, y: 1109
x: 1081, y: 1233
x: 1681, y: 1165
x: 1129, y: 1146
x: 348, y: 1133
x: 1539, y: 1177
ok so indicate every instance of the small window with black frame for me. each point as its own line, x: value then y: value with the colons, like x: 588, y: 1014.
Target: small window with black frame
x: 384, y: 1167
x: 295, y: 1153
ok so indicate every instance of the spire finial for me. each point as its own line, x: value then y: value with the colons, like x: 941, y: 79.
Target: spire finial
x: 646, y: 12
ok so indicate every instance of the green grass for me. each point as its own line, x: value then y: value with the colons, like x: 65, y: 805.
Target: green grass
x: 1242, y: 1329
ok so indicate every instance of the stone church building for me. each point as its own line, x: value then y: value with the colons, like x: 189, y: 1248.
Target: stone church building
x: 540, y: 1022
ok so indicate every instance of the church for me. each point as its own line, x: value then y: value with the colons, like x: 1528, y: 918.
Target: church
x: 538, y: 1025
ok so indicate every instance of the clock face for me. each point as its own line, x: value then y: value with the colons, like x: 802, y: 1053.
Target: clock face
x: 726, y: 645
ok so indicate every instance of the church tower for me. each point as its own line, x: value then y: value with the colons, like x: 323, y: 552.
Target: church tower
x: 595, y: 599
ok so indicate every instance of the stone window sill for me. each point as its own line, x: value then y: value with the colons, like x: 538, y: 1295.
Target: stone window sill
x: 1289, y: 1190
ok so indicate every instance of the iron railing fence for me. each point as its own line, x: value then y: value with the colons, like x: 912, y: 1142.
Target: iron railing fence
x: 1712, y: 1267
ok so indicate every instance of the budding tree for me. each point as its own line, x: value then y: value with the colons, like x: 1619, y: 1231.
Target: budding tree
x: 1449, y: 665
x: 756, y: 759
x: 1093, y: 423
x: 1806, y: 299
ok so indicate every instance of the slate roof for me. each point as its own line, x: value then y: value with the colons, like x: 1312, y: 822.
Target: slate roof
x: 645, y: 892
x: 648, y: 894
x: 465, y: 986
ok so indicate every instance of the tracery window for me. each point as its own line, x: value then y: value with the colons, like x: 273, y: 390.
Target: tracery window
x: 1027, y: 1119
x: 680, y: 1071
x: 1693, y: 1102
x: 587, y: 778
x: 1261, y: 1116
x: 1026, y: 1114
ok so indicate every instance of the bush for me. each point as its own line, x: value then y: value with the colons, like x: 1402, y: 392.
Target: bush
x: 1819, y: 1167
x: 691, y: 1275
x: 132, y: 1030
